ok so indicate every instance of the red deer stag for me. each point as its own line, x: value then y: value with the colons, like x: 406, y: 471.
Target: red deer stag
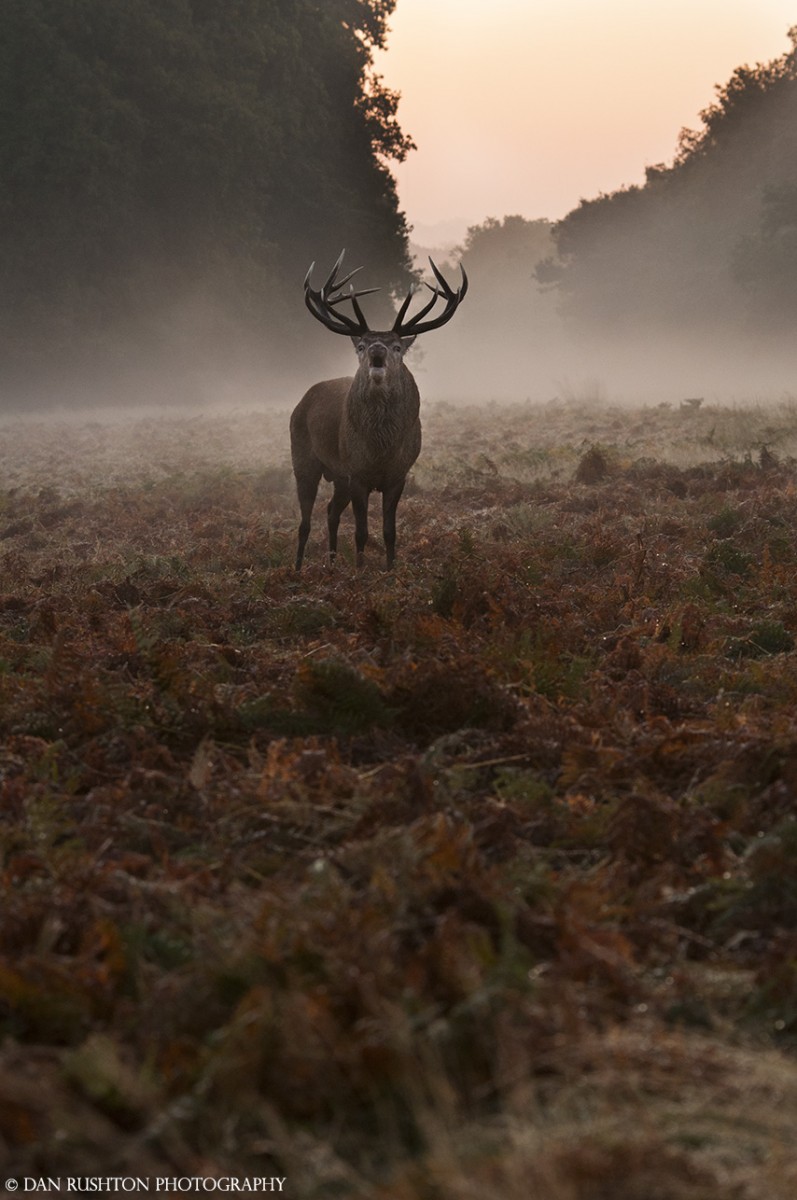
x: 363, y: 433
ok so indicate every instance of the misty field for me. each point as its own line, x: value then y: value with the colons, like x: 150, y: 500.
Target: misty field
x: 474, y: 879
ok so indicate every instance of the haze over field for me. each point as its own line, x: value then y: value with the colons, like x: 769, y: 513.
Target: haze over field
x: 665, y: 166
x: 611, y: 254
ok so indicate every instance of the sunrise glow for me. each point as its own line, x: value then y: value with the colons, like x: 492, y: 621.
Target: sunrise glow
x: 528, y: 107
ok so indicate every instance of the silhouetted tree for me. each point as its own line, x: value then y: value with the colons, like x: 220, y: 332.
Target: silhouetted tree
x: 708, y: 241
x: 168, y: 168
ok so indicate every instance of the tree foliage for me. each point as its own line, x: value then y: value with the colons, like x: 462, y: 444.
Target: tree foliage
x: 169, y: 167
x: 710, y: 239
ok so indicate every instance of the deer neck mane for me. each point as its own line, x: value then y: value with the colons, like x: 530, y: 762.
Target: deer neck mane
x: 381, y: 414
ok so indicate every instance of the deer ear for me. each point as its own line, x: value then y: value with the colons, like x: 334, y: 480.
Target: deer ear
x: 407, y: 342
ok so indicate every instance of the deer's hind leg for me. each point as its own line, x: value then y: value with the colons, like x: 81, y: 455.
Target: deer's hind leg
x: 340, y: 501
x: 359, y: 502
x: 307, y: 481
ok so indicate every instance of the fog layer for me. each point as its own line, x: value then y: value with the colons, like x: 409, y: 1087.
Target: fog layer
x: 156, y: 234
x: 685, y: 287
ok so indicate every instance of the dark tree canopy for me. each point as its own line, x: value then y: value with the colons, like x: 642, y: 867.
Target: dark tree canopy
x: 710, y: 240
x: 168, y: 169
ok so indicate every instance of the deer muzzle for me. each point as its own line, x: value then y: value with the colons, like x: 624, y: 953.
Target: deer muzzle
x: 377, y: 361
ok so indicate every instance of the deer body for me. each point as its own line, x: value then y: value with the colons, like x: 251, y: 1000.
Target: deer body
x: 363, y: 433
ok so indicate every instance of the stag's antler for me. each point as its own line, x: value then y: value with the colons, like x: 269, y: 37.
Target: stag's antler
x: 322, y: 302
x: 453, y: 299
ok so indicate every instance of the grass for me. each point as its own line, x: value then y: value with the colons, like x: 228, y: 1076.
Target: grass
x: 475, y: 878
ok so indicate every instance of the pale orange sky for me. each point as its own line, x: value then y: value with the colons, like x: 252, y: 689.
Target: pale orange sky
x: 526, y: 106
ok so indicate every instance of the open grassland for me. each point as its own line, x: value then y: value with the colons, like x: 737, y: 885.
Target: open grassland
x: 476, y: 879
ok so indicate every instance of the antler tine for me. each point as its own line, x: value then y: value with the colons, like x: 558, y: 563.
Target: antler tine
x: 321, y: 303
x: 341, y: 283
x: 402, y: 312
x: 442, y: 291
x: 358, y: 312
x: 413, y: 321
x: 322, y: 311
x: 337, y: 322
x: 348, y: 296
x: 441, y: 278
x: 337, y: 286
x: 330, y: 283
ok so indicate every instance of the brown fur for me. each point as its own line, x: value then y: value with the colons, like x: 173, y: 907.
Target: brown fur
x: 363, y: 434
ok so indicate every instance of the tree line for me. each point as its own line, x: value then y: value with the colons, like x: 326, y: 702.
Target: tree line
x: 686, y: 281
x: 710, y: 240
x: 168, y: 169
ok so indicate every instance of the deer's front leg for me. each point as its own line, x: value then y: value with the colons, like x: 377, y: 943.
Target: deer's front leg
x: 390, y: 499
x: 359, y: 503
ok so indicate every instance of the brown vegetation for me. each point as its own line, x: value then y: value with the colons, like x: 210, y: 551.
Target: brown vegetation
x: 472, y: 879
